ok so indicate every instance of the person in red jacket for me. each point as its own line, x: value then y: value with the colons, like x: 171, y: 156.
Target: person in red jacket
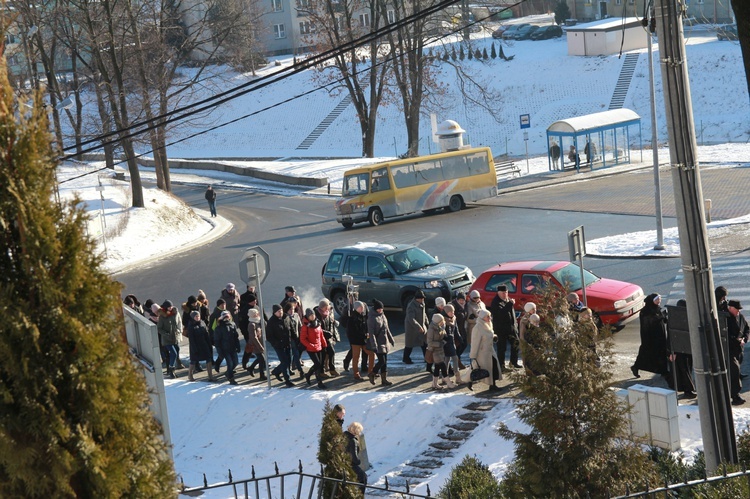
x: 311, y: 336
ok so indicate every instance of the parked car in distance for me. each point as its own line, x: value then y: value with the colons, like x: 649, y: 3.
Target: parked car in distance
x: 727, y: 32
x: 614, y: 303
x: 498, y: 33
x: 392, y: 273
x: 547, y: 32
x: 525, y: 33
x: 509, y: 33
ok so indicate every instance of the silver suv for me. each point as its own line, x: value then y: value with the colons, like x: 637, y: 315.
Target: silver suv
x: 392, y: 273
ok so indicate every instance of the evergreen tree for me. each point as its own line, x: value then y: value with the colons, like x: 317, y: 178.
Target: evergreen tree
x: 562, y: 12
x: 578, y: 445
x: 336, y: 461
x: 74, y: 407
x: 478, y: 54
x: 484, y: 54
x: 470, y: 479
x: 470, y: 54
x: 461, y: 53
x: 453, y: 53
x: 493, y: 52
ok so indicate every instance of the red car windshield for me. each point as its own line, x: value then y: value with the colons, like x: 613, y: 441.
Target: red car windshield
x: 570, y: 276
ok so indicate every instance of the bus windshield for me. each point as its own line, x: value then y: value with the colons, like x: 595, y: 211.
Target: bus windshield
x: 570, y: 276
x: 356, y: 184
x: 409, y: 260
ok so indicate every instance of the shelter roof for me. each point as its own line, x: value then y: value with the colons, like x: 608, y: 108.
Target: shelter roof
x: 603, y: 120
x: 608, y: 24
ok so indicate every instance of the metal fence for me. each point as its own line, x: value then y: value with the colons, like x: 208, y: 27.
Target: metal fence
x: 666, y: 490
x: 294, y: 484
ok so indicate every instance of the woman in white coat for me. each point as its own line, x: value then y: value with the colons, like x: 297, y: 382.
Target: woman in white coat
x: 483, y: 349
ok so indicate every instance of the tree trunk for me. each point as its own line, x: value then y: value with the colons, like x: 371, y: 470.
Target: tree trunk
x: 742, y: 15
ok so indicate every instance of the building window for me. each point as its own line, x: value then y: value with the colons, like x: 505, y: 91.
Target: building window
x: 277, y: 6
x: 391, y: 16
x: 303, y: 4
x: 305, y: 28
x: 631, y: 2
x: 700, y: 2
x: 279, y: 31
x: 618, y: 2
x: 364, y: 20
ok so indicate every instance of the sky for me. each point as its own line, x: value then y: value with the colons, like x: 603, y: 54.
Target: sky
x: 218, y: 426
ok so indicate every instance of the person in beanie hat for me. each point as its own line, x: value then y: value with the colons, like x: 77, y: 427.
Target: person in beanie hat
x: 227, y: 340
x: 459, y: 307
x: 280, y: 339
x: 290, y: 296
x: 311, y: 336
x: 378, y: 341
x: 449, y: 347
x: 232, y: 299
x: 256, y: 342
x: 169, y: 327
x: 200, y: 345
x: 435, y: 338
x: 415, y: 327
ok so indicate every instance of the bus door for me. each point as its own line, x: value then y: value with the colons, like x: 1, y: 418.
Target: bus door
x: 381, y: 192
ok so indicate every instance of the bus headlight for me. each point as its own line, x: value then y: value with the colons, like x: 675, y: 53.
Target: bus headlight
x: 432, y: 284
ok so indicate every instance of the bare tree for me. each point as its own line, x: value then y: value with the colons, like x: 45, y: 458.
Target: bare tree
x: 362, y: 72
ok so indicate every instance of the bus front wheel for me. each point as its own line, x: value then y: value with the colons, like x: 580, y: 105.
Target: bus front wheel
x: 455, y: 204
x: 375, y: 217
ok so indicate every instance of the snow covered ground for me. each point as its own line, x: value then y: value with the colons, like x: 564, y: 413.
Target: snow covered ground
x: 220, y: 427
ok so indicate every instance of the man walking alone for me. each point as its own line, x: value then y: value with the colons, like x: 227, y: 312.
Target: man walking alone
x: 211, y: 198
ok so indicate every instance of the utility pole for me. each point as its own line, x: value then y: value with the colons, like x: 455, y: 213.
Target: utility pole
x: 654, y: 141
x: 717, y: 425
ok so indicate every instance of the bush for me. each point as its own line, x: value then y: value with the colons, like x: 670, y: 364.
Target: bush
x: 470, y: 479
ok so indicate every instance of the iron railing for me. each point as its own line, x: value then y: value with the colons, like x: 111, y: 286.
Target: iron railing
x: 687, y: 484
x: 294, y: 484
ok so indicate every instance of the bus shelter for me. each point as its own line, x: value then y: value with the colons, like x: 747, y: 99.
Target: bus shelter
x: 605, y: 136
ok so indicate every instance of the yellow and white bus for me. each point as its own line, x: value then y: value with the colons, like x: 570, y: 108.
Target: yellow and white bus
x: 426, y: 183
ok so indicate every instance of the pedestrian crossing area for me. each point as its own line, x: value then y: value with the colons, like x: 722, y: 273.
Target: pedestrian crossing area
x: 732, y: 272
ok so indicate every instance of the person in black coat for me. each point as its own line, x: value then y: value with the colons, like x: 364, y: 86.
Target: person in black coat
x: 200, y: 345
x: 281, y: 341
x: 683, y: 367
x: 211, y: 198
x: 459, y: 307
x: 355, y: 321
x: 504, y: 325
x: 652, y: 354
x: 738, y: 334
x: 227, y: 341
x: 352, y: 434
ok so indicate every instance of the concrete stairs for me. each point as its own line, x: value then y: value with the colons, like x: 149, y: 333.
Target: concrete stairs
x: 323, y: 125
x: 623, y: 81
x: 447, y: 445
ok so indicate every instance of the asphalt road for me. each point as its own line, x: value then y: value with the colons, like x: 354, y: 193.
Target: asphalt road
x: 300, y: 232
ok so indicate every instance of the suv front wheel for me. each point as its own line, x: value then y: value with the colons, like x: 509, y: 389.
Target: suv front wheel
x: 339, y: 301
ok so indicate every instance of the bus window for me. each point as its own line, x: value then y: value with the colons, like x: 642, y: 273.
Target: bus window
x: 380, y: 181
x: 403, y: 176
x: 428, y: 172
x: 356, y: 184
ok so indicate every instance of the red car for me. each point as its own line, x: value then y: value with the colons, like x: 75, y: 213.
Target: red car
x: 614, y: 302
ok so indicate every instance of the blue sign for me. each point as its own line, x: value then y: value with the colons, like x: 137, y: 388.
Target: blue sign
x: 525, y: 121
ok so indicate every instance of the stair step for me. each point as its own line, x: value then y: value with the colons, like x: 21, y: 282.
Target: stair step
x: 416, y: 473
x: 445, y: 445
x: 438, y: 453
x: 429, y: 464
x: 486, y: 405
x: 471, y: 416
x: 463, y: 426
x: 453, y: 435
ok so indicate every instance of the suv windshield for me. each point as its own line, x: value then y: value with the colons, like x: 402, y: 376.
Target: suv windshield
x: 409, y: 260
x: 570, y: 276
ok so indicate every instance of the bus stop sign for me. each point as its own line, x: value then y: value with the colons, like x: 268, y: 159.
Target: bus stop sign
x: 254, y: 260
